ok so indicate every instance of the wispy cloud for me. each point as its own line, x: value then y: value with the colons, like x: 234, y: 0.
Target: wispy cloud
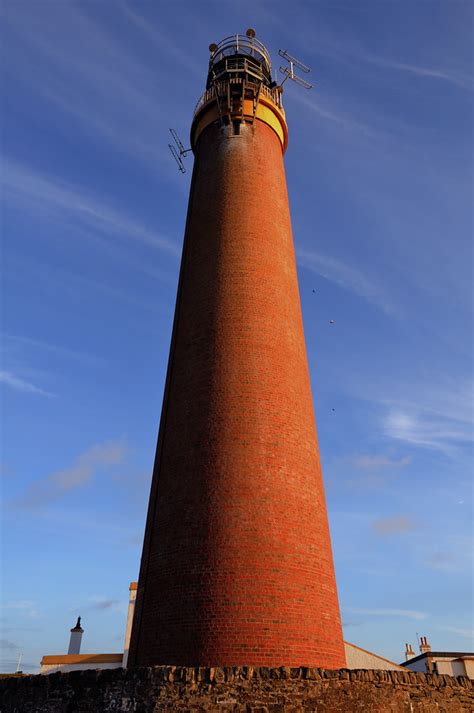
x: 6, y: 377
x: 467, y: 632
x: 429, y: 430
x: 394, y: 525
x: 102, y: 603
x: 110, y: 90
x: 27, y: 607
x: 456, y: 78
x: 44, y: 193
x: 344, y: 119
x: 454, y: 554
x: 346, y: 276
x: 402, y: 613
x: 163, y: 43
x: 348, y: 51
x: 373, y: 471
x: 13, y: 341
x: 69, y: 282
x: 370, y: 462
x: 81, y: 472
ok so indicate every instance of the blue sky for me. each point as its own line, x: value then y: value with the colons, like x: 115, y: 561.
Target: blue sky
x: 379, y: 170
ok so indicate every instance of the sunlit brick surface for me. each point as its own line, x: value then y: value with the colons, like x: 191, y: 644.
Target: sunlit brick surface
x: 237, y: 566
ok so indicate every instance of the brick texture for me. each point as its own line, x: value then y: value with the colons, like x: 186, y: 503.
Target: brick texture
x: 237, y: 566
x: 237, y: 690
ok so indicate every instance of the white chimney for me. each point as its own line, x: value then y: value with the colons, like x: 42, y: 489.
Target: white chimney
x: 424, y: 645
x: 76, y: 638
x: 409, y: 653
x: 128, y: 630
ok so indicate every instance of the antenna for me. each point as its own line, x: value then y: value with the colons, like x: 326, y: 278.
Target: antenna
x: 178, y: 151
x: 289, y: 72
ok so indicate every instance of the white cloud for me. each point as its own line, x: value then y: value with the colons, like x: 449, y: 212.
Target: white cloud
x: 81, y: 472
x: 6, y: 377
x: 403, y: 613
x: 429, y: 430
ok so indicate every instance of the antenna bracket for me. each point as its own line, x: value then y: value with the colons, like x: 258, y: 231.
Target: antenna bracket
x: 289, y: 71
x: 178, y: 152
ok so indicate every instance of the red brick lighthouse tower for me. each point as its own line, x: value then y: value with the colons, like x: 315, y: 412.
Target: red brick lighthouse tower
x: 237, y: 566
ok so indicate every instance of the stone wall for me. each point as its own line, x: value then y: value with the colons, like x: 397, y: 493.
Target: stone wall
x: 237, y: 689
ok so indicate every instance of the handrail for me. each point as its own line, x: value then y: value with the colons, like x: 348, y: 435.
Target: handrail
x: 210, y: 95
x: 241, y: 44
x: 274, y: 95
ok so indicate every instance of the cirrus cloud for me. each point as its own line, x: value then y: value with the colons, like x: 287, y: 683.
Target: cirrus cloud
x: 6, y: 377
x: 78, y: 474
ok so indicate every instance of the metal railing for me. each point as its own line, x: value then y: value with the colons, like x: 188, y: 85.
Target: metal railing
x: 274, y: 95
x: 233, y: 66
x: 241, y: 44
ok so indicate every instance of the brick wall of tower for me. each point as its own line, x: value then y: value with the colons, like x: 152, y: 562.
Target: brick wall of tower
x: 237, y: 565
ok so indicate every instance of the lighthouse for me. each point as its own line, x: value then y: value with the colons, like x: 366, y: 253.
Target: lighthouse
x: 237, y: 566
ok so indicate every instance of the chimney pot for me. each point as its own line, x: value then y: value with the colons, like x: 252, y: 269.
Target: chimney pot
x: 424, y: 645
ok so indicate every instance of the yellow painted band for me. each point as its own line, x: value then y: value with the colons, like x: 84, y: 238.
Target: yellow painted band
x: 208, y: 115
x: 266, y: 112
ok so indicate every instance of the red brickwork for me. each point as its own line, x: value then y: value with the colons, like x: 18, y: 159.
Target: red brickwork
x: 237, y: 565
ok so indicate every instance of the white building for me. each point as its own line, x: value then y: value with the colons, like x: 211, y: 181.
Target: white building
x: 128, y: 629
x: 452, y: 663
x: 361, y: 658
x: 79, y: 662
x: 75, y: 661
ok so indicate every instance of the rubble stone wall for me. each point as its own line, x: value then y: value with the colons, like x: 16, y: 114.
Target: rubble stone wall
x: 237, y: 689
